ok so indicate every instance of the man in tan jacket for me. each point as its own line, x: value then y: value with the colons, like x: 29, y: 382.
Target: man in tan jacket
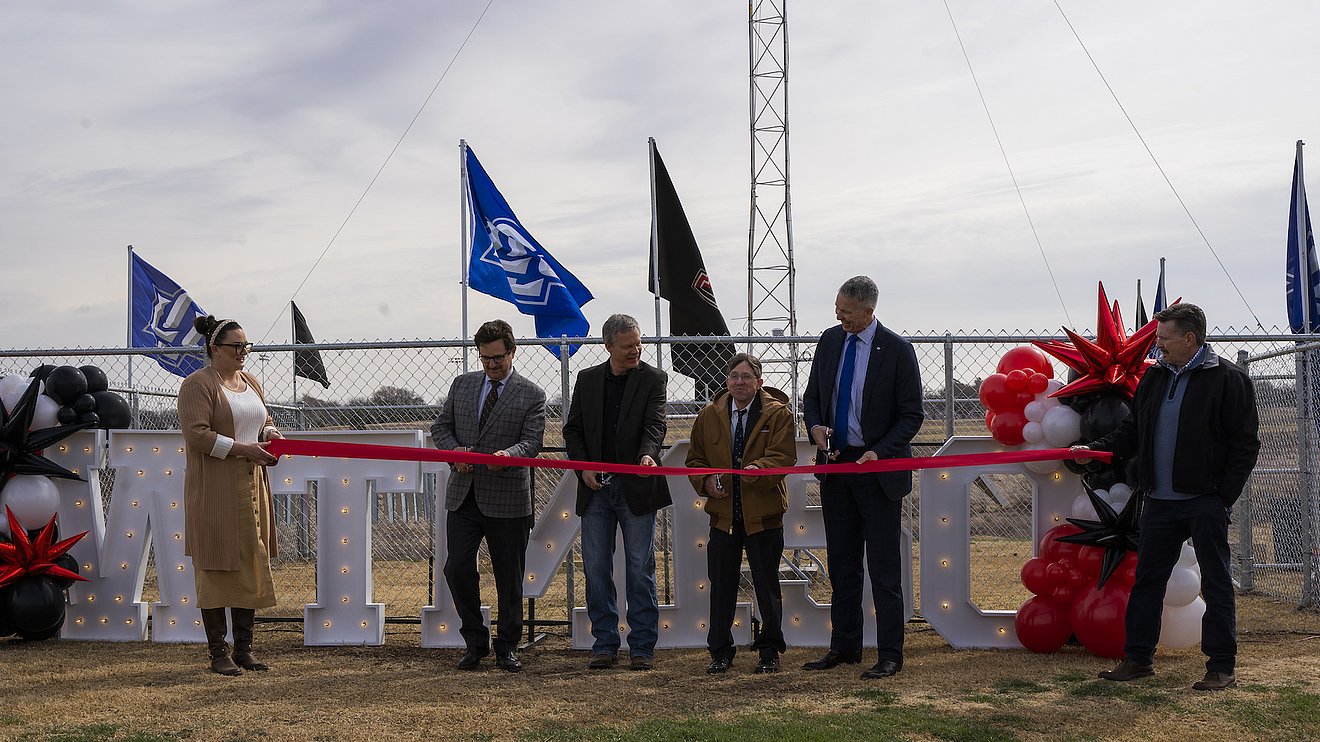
x: 746, y: 426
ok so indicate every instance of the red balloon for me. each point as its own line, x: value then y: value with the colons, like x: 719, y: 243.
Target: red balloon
x: 1063, y: 594
x: 1016, y: 380
x: 1028, y: 358
x: 1051, y: 550
x: 1077, y: 578
x: 1037, y: 383
x: 1033, y: 576
x: 995, y: 395
x: 1097, y: 619
x: 989, y: 415
x: 1006, y: 427
x: 1090, y: 559
x: 1042, y: 625
x: 1056, y: 574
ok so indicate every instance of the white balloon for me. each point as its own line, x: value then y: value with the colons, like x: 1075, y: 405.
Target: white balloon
x: 32, y: 499
x: 1031, y: 432
x: 1118, y: 488
x: 1062, y: 426
x: 45, y: 415
x: 1117, y: 498
x: 11, y: 390
x: 1083, y: 509
x: 1183, y: 587
x: 1180, y: 626
x: 1052, y: 386
x: 1034, y: 411
x: 1188, y: 556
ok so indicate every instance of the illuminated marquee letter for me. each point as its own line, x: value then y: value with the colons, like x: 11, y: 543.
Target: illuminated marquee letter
x: 946, y: 542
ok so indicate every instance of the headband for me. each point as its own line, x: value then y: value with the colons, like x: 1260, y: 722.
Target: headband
x: 219, y: 328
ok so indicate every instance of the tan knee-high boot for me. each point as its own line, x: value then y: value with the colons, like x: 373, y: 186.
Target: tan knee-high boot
x: 244, y: 619
x: 213, y: 620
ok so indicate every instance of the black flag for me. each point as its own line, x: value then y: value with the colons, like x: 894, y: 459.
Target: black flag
x: 306, y: 363
x: 687, y: 286
x: 1142, y: 318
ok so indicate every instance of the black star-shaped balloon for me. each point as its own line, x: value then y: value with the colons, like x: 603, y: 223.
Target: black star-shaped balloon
x: 20, y: 449
x: 1115, y: 532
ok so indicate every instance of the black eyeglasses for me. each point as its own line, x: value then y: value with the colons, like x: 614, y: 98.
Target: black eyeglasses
x: 238, y: 347
x: 496, y: 358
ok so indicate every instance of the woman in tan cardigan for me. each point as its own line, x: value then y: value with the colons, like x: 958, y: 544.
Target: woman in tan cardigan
x: 228, y: 528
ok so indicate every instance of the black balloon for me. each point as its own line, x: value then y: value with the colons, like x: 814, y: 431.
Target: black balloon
x: 90, y: 418
x: 84, y: 403
x: 1103, y: 479
x: 66, y: 416
x: 1073, y: 466
x: 96, y: 380
x: 41, y: 372
x: 41, y: 636
x: 68, y: 562
x: 113, y: 410
x: 65, y: 384
x: 1103, y: 416
x: 35, y: 604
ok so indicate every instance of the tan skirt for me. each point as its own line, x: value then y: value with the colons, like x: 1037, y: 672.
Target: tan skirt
x: 251, y: 585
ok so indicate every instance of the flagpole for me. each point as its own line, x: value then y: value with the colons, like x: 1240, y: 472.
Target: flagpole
x: 655, y: 252
x: 1303, y: 268
x: 297, y: 403
x: 128, y: 328
x: 463, y: 242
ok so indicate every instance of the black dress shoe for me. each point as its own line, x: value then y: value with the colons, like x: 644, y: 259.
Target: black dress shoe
x: 833, y: 659
x: 768, y: 663
x: 719, y: 665
x: 882, y: 669
x: 508, y: 661
x: 469, y: 660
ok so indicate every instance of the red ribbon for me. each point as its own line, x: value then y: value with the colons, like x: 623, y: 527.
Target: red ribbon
x: 327, y: 449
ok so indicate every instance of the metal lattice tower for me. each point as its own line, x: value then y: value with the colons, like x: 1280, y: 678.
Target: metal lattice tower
x: 771, y: 276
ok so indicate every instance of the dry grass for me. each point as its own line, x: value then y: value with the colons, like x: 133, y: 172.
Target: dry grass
x: 400, y: 691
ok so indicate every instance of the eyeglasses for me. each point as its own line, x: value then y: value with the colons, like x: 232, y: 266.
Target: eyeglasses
x: 495, y: 359
x: 742, y: 377
x: 238, y: 347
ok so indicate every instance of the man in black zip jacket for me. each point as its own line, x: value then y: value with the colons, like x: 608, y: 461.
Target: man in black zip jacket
x: 1193, y: 433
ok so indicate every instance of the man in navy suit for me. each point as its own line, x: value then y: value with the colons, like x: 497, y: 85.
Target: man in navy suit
x: 501, y: 412
x: 863, y: 403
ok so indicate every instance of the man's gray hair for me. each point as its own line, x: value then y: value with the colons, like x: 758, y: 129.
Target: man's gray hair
x: 861, y: 289
x: 1186, y: 317
x: 616, y: 324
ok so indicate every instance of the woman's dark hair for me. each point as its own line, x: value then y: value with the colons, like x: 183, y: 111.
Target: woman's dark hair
x: 212, y: 331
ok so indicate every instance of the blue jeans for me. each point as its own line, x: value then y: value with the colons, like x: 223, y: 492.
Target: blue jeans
x: 607, y: 511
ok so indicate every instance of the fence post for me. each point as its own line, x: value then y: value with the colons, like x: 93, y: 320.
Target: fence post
x: 564, y: 391
x: 1310, y: 596
x: 949, y: 397
x: 1246, y: 543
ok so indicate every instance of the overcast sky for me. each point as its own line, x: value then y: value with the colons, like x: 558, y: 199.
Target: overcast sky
x: 227, y: 141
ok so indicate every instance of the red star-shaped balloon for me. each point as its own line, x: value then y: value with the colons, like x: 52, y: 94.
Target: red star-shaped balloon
x: 1112, y: 362
x: 27, y: 558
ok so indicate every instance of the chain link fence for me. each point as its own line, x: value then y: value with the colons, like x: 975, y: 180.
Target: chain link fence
x: 402, y: 386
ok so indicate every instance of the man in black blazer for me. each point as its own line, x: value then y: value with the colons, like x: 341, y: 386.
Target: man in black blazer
x: 617, y: 415
x: 867, y: 374
x: 496, y: 411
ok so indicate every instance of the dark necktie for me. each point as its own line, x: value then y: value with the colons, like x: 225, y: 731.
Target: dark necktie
x: 843, y: 398
x: 492, y: 397
x: 739, y: 441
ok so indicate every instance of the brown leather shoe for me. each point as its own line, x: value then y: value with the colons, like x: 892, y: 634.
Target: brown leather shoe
x: 641, y: 662
x: 1216, y: 681
x: 603, y: 661
x: 1128, y: 670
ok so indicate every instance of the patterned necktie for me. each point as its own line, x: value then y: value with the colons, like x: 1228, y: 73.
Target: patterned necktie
x: 739, y: 442
x: 843, y: 397
x: 492, y: 397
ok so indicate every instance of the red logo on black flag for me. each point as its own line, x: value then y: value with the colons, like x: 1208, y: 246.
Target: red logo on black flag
x: 701, y: 285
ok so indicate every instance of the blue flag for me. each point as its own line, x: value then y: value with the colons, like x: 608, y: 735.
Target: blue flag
x: 508, y: 263
x: 1299, y: 292
x: 163, y: 317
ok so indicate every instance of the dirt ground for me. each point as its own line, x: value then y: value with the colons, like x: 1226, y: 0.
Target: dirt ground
x: 401, y: 691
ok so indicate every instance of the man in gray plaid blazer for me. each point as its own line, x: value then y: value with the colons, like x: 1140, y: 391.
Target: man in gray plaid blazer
x: 500, y: 412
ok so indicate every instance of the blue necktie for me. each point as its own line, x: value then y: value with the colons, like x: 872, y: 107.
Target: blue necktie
x: 843, y: 396
x: 739, y: 444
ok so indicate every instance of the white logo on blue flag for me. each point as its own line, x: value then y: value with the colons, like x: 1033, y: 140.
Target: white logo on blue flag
x: 163, y: 315
x: 508, y: 263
